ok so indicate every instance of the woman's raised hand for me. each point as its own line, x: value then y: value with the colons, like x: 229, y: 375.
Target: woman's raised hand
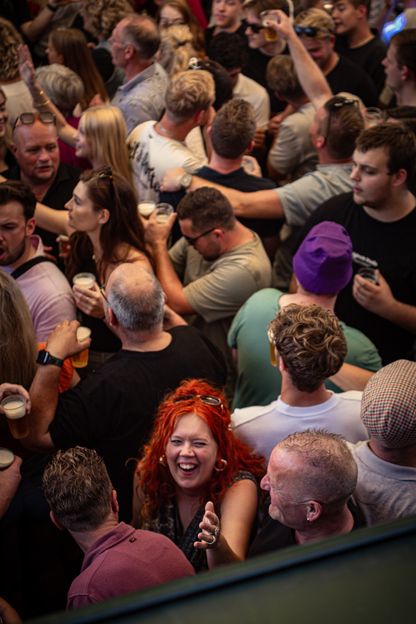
x: 210, y: 526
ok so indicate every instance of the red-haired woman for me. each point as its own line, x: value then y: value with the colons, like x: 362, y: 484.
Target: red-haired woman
x: 196, y: 483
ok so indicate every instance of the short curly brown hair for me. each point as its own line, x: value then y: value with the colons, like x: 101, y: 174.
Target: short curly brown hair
x: 104, y: 15
x: 311, y: 343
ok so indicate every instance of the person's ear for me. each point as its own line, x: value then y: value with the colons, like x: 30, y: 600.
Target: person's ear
x: 313, y: 511
x: 104, y: 216
x: 110, y: 316
x: 30, y: 227
x: 56, y: 521
x: 399, y: 177
x: 114, y: 502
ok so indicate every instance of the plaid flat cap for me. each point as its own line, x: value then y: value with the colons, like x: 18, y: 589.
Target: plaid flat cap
x: 388, y: 406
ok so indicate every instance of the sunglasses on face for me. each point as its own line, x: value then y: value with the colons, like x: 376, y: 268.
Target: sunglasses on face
x: 27, y: 119
x: 311, y: 31
x: 255, y: 28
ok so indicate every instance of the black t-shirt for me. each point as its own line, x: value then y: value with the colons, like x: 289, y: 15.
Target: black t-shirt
x: 391, y: 248
x: 368, y: 56
x: 256, y: 70
x: 57, y: 196
x: 241, y: 181
x: 113, y: 409
x: 274, y: 535
x: 348, y: 76
x: 241, y: 32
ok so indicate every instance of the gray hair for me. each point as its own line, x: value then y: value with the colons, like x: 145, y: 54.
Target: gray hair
x: 62, y: 86
x: 330, y: 471
x: 136, y: 299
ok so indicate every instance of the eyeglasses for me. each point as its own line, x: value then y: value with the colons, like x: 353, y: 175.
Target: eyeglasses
x: 205, y: 398
x: 335, y: 105
x: 311, y: 31
x: 27, y: 119
x: 256, y: 28
x: 191, y: 241
x: 102, y: 291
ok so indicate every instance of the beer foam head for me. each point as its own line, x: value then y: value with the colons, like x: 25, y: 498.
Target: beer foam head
x: 83, y: 333
x: 6, y: 458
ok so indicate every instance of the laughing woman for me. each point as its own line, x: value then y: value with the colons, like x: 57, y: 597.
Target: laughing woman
x: 196, y: 483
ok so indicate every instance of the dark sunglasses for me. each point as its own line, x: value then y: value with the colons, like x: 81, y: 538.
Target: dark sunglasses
x: 311, y: 31
x: 256, y: 28
x: 191, y: 241
x: 205, y: 398
x: 27, y: 119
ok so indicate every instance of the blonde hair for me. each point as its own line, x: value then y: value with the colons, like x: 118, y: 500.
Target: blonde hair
x: 9, y: 41
x: 105, y: 129
x: 176, y: 48
x: 188, y: 93
x: 317, y: 18
x: 18, y: 346
x: 184, y: 9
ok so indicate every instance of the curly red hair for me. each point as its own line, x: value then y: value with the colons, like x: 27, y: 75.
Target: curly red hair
x: 155, y: 476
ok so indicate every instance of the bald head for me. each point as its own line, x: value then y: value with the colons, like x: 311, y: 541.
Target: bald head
x: 136, y: 298
x: 35, y: 147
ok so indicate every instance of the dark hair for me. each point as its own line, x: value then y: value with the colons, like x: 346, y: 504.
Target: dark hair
x: 282, y: 77
x: 341, y: 128
x: 78, y: 489
x: 357, y: 3
x: 228, y: 50
x: 223, y: 82
x: 311, y: 343
x: 396, y: 140
x: 267, y: 5
x: 143, y: 34
x: 233, y: 128
x: 198, y: 38
x: 206, y: 207
x: 405, y: 44
x: 108, y: 190
x: 15, y: 190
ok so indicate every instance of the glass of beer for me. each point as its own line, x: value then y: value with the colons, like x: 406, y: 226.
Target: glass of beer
x: 84, y: 280
x: 163, y: 212
x: 6, y: 458
x: 63, y: 244
x: 146, y: 208
x: 269, y: 33
x: 15, y: 409
x: 80, y: 360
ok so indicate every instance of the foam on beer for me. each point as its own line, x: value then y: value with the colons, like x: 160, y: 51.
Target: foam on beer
x: 6, y: 458
x: 83, y: 333
x: 15, y: 409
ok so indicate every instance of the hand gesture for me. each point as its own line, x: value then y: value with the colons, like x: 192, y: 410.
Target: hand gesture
x: 26, y: 67
x: 211, y: 532
x: 7, y: 389
x: 158, y: 233
x: 63, y: 343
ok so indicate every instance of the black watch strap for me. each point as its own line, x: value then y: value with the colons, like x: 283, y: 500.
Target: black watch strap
x: 44, y: 357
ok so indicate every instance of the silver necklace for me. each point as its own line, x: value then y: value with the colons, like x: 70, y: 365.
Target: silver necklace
x: 172, y: 136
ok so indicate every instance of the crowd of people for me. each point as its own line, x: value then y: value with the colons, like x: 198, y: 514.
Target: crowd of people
x: 251, y: 373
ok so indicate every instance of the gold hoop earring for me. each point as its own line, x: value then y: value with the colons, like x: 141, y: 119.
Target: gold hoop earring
x: 224, y: 462
x: 162, y: 460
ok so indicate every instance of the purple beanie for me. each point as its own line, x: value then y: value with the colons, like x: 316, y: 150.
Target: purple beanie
x: 323, y: 262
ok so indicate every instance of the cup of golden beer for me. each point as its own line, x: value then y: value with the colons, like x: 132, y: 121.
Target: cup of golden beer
x: 269, y: 33
x: 64, y: 244
x: 84, y: 280
x: 6, y: 458
x: 15, y: 409
x: 80, y: 360
x: 146, y: 208
x: 272, y: 355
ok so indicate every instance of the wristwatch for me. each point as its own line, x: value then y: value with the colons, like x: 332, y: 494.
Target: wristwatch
x: 44, y: 357
x: 185, y: 180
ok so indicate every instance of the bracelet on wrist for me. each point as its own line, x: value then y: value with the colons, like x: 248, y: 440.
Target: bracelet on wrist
x: 43, y: 104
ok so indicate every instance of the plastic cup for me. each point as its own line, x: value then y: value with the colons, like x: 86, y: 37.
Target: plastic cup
x: 163, y: 212
x: 272, y: 355
x: 6, y: 458
x: 15, y: 409
x: 80, y: 360
x: 63, y: 244
x: 146, y: 208
x: 372, y: 116
x: 84, y: 280
x: 369, y: 274
x: 269, y: 33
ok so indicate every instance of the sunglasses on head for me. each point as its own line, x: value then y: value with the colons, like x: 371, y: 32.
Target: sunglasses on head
x: 205, y: 398
x: 27, y: 119
x: 311, y: 31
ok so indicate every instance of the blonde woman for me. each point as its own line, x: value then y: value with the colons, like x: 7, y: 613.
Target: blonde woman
x: 176, y: 48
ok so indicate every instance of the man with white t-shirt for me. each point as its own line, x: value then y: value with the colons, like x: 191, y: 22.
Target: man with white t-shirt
x: 156, y: 146
x: 309, y: 346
